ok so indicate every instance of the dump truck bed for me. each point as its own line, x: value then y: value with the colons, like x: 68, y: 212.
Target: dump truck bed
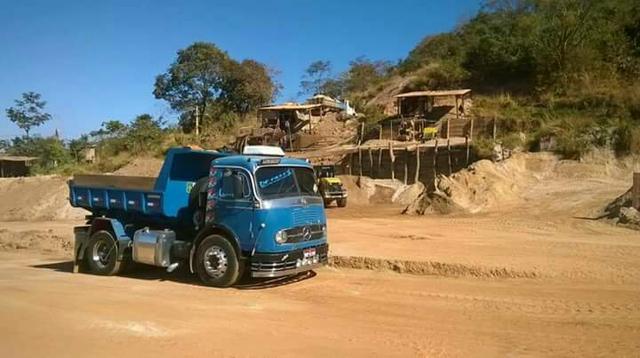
x: 111, y: 192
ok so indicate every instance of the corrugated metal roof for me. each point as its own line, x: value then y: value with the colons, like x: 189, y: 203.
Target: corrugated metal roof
x: 460, y: 92
x: 14, y: 158
x: 290, y: 106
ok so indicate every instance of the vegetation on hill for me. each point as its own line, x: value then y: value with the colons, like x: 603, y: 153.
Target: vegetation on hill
x: 568, y: 69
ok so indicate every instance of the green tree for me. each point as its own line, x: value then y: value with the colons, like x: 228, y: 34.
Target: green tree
x: 144, y: 133
x: 364, y: 73
x: 195, y: 80
x: 76, y: 145
x: 247, y: 86
x: 315, y: 77
x: 28, y: 112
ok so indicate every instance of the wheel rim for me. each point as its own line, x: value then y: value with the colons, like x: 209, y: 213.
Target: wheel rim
x: 101, y: 253
x: 215, y: 261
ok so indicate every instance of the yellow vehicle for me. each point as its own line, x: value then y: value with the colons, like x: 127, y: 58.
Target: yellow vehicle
x: 330, y: 187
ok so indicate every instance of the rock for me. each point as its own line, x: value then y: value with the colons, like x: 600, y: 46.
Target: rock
x: 408, y: 194
x: 629, y: 215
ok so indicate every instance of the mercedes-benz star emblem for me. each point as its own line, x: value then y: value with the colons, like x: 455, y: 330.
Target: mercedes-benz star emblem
x: 306, y: 233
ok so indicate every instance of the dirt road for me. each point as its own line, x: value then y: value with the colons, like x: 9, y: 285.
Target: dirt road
x: 47, y: 311
x: 591, y: 308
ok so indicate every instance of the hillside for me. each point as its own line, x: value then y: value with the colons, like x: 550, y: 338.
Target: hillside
x: 562, y: 70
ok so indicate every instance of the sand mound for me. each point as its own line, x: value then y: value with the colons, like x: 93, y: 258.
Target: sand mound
x: 45, y: 241
x: 365, y: 191
x: 484, y: 185
x: 144, y: 167
x: 36, y: 198
x: 488, y: 186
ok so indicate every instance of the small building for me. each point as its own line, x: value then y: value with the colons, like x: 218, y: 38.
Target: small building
x: 15, y: 166
x: 431, y: 108
x: 88, y: 153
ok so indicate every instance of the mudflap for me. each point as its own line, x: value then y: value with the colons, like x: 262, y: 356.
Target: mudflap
x: 81, y: 238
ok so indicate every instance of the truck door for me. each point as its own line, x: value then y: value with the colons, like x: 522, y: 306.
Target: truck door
x: 233, y: 204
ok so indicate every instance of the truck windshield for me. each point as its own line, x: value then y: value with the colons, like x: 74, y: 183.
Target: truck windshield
x: 280, y: 182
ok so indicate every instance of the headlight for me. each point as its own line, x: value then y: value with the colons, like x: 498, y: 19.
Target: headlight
x: 281, y: 237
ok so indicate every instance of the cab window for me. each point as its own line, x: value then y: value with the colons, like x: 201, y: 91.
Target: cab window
x: 234, y: 185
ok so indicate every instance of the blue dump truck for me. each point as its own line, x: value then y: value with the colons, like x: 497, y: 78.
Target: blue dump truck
x: 220, y: 214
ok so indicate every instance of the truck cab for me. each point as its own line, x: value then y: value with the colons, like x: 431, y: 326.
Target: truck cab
x: 257, y: 212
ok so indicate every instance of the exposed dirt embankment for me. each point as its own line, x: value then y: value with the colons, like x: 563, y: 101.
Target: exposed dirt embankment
x: 36, y: 198
x: 47, y: 241
x: 366, y: 191
x: 488, y: 187
x: 427, y: 268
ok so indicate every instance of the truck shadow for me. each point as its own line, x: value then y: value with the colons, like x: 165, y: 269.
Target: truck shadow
x: 183, y: 276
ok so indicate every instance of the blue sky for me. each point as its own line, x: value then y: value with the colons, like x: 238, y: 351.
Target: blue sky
x: 97, y: 60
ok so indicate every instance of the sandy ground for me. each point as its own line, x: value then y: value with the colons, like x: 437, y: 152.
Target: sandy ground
x: 534, y: 276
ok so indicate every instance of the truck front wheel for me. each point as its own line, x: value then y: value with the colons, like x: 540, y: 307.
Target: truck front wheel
x: 342, y: 202
x: 217, y: 262
x: 102, y: 254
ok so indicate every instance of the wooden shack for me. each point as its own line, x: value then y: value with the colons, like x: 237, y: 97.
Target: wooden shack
x: 15, y: 166
x: 432, y: 108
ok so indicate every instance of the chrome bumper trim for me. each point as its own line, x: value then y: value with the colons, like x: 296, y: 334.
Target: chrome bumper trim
x: 276, y: 273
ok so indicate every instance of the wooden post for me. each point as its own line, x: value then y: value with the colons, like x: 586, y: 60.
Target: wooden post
x: 380, y: 133
x: 359, y: 162
x: 361, y: 133
x: 471, y: 129
x: 406, y: 165
x: 635, y: 199
x: 392, y: 159
x: 495, y: 128
x: 417, y: 176
x: 378, y: 171
x: 435, y: 160
x: 449, y: 155
x: 457, y: 111
x: 370, y: 163
x: 448, y: 127
x: 466, y: 143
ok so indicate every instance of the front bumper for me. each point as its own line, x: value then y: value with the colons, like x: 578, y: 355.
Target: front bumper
x: 286, y: 263
x: 335, y: 195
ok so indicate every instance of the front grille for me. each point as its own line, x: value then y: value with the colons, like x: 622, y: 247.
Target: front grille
x: 297, y: 234
x: 302, y: 216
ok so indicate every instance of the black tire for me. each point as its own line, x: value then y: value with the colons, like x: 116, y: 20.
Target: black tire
x: 342, y: 202
x: 216, y: 262
x: 327, y: 202
x: 101, y: 255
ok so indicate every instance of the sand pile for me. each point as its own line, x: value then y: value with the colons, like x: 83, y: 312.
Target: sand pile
x: 484, y: 185
x: 144, y: 167
x: 365, y: 191
x: 36, y: 198
x: 488, y: 186
x: 45, y: 241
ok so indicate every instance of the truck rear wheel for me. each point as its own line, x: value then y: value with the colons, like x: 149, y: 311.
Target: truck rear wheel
x: 217, y: 262
x: 102, y: 254
x: 342, y: 202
